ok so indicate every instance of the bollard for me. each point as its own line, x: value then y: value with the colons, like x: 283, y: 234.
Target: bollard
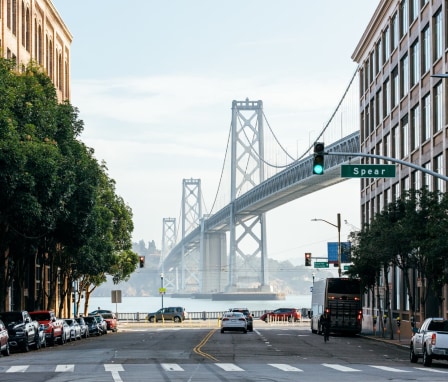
x: 204, y: 316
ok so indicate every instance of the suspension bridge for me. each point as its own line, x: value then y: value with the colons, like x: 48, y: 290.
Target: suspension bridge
x: 225, y: 251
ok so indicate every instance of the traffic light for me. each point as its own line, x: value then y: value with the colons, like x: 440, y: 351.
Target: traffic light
x: 142, y: 261
x: 318, y: 160
x: 308, y: 259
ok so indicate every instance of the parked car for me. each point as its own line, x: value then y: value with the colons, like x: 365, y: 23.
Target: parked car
x: 249, y: 317
x: 66, y: 331
x: 75, y: 329
x: 282, y: 314
x: 430, y: 342
x: 102, y: 324
x: 21, y: 329
x: 99, y: 311
x: 4, y: 343
x: 83, y: 326
x: 172, y: 313
x: 52, y: 326
x: 41, y: 341
x: 92, y: 324
x: 111, y: 321
x: 233, y: 321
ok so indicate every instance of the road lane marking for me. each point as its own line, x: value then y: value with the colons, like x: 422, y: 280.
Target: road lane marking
x: 229, y: 367
x: 339, y: 367
x: 197, y: 348
x: 115, y: 371
x: 64, y: 368
x: 391, y: 369
x: 431, y: 370
x: 284, y: 367
x: 17, y: 369
x: 171, y: 367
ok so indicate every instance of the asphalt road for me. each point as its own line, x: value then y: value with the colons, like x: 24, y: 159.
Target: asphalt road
x: 173, y: 353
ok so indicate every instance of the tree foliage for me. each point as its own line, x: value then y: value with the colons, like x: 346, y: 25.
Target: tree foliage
x: 58, y: 206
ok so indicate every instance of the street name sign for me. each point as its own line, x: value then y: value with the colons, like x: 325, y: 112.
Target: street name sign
x: 321, y: 264
x: 368, y: 171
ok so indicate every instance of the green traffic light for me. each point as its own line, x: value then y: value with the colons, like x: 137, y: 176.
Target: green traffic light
x: 318, y: 169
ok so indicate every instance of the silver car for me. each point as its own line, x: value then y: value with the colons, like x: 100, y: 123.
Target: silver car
x: 233, y: 321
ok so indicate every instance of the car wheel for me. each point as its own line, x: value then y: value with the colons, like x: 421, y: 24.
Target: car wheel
x: 6, y: 351
x: 245, y: 331
x: 412, y: 356
x: 26, y: 348
x: 177, y: 319
x: 290, y: 319
x: 151, y: 319
x: 427, y: 360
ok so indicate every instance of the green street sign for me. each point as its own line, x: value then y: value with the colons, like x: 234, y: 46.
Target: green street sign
x: 368, y: 171
x: 320, y: 264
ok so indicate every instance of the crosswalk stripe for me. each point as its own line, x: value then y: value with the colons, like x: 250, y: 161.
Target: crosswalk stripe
x: 229, y: 367
x: 339, y: 367
x: 431, y: 370
x: 284, y: 367
x: 17, y: 369
x: 171, y: 367
x: 391, y: 369
x: 65, y: 368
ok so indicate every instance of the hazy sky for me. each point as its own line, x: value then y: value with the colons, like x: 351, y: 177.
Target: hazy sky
x: 154, y: 82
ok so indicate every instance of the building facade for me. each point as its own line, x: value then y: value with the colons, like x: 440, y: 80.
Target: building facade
x: 403, y: 115
x: 32, y: 30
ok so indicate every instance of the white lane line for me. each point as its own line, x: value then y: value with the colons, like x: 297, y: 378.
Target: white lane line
x: 64, y: 368
x: 391, y: 369
x: 171, y: 367
x: 339, y: 367
x: 17, y: 369
x: 229, y: 367
x: 115, y: 371
x: 284, y: 367
x: 431, y: 370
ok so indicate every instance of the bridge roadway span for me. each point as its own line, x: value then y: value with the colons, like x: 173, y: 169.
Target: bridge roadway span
x: 292, y: 183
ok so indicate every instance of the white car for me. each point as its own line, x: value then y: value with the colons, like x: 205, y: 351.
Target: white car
x: 233, y: 321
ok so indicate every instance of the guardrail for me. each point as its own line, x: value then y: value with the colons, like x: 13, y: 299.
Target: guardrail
x: 140, y: 316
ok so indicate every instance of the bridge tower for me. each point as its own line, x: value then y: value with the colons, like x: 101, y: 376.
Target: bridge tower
x: 169, y: 237
x: 191, y: 219
x: 247, y: 241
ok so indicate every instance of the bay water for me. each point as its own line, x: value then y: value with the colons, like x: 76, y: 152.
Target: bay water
x: 153, y: 303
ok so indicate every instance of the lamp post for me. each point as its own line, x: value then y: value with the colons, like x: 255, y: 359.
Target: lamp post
x: 338, y: 226
x: 161, y: 287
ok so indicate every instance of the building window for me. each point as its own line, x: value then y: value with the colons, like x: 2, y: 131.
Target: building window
x: 379, y: 107
x: 416, y: 180
x: 438, y: 108
x: 404, y: 18
x: 415, y: 63
x: 426, y: 50
x: 404, y: 76
x: 415, y: 127
x: 394, y: 32
x: 438, y: 35
x: 394, y: 88
x: 379, y: 57
x: 404, y: 137
x: 426, y: 181
x: 414, y: 9
x: 395, y: 143
x: 386, y: 44
x: 386, y: 98
x: 386, y: 146
x: 439, y: 169
x: 426, y: 118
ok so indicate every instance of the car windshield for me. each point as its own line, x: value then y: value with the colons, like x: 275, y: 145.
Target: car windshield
x: 89, y: 319
x: 40, y: 316
x: 108, y: 315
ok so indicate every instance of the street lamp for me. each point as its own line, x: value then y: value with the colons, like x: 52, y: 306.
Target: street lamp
x: 161, y: 287
x: 338, y: 226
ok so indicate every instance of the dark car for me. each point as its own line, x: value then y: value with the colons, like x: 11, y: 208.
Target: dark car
x: 249, y: 317
x: 92, y: 324
x: 175, y: 313
x: 282, y: 315
x: 83, y: 326
x: 4, y: 343
x: 22, y: 330
x: 102, y: 324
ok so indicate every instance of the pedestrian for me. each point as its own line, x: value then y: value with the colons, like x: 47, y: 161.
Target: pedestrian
x: 325, y: 324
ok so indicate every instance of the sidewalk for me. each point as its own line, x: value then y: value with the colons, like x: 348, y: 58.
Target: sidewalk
x: 401, y: 339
